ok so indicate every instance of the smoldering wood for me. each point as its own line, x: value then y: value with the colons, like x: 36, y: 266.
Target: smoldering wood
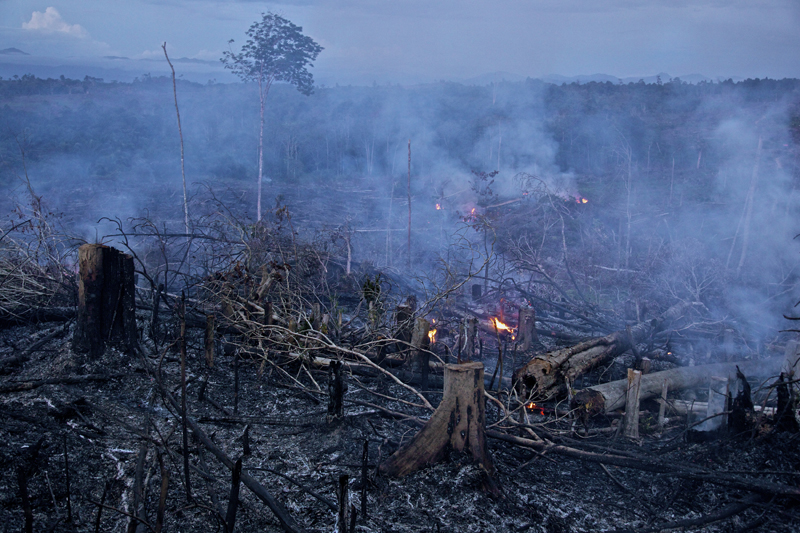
x: 106, y: 300
x: 546, y: 375
x: 608, y: 397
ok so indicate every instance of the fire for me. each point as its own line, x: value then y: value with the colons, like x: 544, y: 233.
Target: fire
x: 432, y: 336
x: 438, y: 207
x: 531, y: 406
x: 582, y: 200
x: 499, y: 325
x: 473, y: 211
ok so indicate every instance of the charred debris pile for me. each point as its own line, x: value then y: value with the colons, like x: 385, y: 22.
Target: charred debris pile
x: 241, y: 378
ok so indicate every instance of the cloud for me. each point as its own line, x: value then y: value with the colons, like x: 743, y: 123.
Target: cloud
x: 51, y: 22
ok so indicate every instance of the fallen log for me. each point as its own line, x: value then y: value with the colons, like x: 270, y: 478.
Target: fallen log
x: 547, y: 375
x: 608, y: 397
x: 26, y: 315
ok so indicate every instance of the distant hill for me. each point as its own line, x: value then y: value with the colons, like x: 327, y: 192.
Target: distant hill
x: 493, y: 77
x: 13, y: 51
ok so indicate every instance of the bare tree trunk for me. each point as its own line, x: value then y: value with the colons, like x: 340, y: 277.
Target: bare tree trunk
x: 409, y: 203
x: 749, y: 212
x: 180, y: 133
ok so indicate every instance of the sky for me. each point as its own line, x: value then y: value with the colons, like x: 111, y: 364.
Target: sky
x: 412, y: 41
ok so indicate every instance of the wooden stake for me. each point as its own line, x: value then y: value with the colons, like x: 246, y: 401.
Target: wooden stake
x: 27, y: 510
x: 342, y: 498
x: 209, y: 340
x: 364, y: 480
x: 632, y: 404
x: 663, y: 406
x: 66, y: 475
x: 182, y: 342
x: 336, y: 388
x: 162, y: 500
x: 233, y: 501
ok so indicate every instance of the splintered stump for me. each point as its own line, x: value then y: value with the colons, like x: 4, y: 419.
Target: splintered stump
x: 106, y: 300
x: 527, y: 328
x: 457, y: 425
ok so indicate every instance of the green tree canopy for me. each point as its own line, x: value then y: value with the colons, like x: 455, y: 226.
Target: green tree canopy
x: 276, y: 50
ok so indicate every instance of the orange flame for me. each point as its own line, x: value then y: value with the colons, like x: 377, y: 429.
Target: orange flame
x: 499, y: 325
x: 531, y: 406
x: 581, y: 200
x: 438, y: 207
x: 432, y: 336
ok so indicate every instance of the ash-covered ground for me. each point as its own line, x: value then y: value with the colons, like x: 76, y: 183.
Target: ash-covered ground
x: 119, y: 420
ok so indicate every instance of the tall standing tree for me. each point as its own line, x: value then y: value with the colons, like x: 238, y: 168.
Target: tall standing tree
x: 276, y: 50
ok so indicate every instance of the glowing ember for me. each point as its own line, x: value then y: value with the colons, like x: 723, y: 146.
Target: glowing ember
x: 432, y: 336
x: 534, y: 408
x: 473, y: 211
x: 581, y: 200
x: 438, y: 207
x: 499, y: 325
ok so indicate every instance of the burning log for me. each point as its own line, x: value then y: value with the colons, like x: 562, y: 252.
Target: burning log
x: 457, y: 424
x: 547, y: 374
x: 106, y: 300
x: 609, y: 397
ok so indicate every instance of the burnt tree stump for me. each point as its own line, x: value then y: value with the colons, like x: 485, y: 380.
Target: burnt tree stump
x: 527, y: 328
x: 458, y: 424
x: 106, y: 300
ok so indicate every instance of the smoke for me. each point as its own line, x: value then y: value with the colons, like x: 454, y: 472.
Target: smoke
x: 676, y: 185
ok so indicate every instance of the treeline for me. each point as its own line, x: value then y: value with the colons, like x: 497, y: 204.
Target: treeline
x: 122, y: 131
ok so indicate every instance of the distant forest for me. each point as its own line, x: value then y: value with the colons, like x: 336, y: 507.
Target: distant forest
x: 674, y: 137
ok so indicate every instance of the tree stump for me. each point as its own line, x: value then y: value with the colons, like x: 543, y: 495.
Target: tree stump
x: 106, y: 300
x: 458, y: 424
x: 527, y: 328
x: 469, y: 332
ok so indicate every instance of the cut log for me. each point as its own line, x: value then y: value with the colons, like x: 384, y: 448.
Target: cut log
x: 608, y: 397
x: 106, y: 300
x: 458, y: 424
x: 546, y: 375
